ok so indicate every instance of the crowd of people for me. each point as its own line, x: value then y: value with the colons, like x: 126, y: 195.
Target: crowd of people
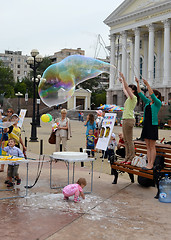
x: 10, y: 138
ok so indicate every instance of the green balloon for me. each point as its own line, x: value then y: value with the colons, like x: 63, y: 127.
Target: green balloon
x: 50, y: 117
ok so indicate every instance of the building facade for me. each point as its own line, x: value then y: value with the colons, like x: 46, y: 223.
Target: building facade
x: 80, y: 100
x: 140, y: 45
x: 17, y: 62
x: 59, y: 56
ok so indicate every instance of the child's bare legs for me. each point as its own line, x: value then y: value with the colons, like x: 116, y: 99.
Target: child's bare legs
x: 65, y: 196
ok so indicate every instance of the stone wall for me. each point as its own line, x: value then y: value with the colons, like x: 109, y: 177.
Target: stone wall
x: 13, y: 103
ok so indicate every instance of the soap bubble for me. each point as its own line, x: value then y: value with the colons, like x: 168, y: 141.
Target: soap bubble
x: 6, y: 124
x: 59, y: 80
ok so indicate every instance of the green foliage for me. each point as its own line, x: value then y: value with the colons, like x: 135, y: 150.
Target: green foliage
x: 90, y: 84
x: 98, y: 97
x: 25, y: 86
x: 6, y: 81
x: 20, y: 87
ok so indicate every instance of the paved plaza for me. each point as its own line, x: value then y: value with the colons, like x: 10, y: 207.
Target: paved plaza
x: 123, y: 211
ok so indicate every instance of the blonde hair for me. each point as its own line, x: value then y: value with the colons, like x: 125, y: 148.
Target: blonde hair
x: 82, y: 181
x: 63, y: 110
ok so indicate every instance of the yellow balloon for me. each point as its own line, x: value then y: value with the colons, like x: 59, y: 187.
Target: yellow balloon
x: 45, y: 118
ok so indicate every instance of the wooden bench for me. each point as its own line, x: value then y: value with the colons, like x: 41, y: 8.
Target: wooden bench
x: 168, y: 125
x: 155, y: 174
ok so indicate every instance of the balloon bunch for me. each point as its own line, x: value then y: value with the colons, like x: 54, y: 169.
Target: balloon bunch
x: 46, y: 118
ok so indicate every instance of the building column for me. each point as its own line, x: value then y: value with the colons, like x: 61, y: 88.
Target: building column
x: 166, y: 52
x: 74, y: 102
x: 112, y: 61
x: 85, y: 107
x: 151, y: 54
x: 132, y: 58
x: 137, y: 53
x: 145, y: 62
x: 118, y: 70
x: 128, y: 68
x: 158, y: 60
x: 124, y: 53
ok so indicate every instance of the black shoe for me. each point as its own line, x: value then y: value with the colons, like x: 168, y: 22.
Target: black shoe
x: 114, y: 182
x: 101, y: 157
x: 10, y: 184
x: 146, y: 169
x: 18, y: 181
x: 6, y: 181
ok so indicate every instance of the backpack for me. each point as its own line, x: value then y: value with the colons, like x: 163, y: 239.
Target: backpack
x: 145, y: 182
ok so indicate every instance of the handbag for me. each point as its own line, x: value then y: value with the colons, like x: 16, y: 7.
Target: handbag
x: 52, y: 138
x: 139, y: 161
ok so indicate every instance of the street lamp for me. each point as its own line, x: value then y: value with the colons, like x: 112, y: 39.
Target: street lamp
x: 19, y: 95
x: 38, y: 101
x: 34, y: 62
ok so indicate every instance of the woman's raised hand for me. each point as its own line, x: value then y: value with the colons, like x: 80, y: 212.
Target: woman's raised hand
x: 137, y: 80
x: 145, y: 81
x: 121, y: 75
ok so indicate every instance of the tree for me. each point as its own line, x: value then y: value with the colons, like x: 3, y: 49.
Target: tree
x: 42, y: 67
x: 25, y: 86
x: 90, y: 84
x: 6, y: 81
x: 98, y: 97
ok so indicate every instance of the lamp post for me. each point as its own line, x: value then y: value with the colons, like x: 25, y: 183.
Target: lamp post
x: 38, y: 101
x: 19, y: 95
x: 34, y: 62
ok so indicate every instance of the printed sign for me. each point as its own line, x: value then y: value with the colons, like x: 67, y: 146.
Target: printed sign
x: 106, y: 131
x: 21, y: 117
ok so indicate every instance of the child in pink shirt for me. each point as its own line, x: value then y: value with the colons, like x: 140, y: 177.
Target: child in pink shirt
x: 75, y: 189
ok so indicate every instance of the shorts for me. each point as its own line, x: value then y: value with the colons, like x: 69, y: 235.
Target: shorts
x: 13, y: 171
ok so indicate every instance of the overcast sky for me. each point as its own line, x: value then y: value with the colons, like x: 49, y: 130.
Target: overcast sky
x: 50, y: 25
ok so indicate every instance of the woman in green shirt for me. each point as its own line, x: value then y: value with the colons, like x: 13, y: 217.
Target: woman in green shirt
x: 150, y: 121
x: 128, y: 118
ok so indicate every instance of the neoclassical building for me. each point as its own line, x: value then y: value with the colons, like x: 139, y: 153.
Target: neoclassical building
x: 140, y: 45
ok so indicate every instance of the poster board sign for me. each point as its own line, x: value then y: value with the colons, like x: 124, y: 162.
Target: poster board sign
x: 21, y: 117
x: 106, y: 131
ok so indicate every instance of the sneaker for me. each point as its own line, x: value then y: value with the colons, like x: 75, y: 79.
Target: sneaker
x: 18, y: 181
x: 6, y: 181
x: 10, y: 184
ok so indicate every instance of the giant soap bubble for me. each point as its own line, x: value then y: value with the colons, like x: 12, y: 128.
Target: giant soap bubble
x: 59, y: 80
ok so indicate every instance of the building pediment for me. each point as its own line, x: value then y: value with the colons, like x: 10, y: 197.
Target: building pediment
x: 133, y: 9
x: 81, y: 90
